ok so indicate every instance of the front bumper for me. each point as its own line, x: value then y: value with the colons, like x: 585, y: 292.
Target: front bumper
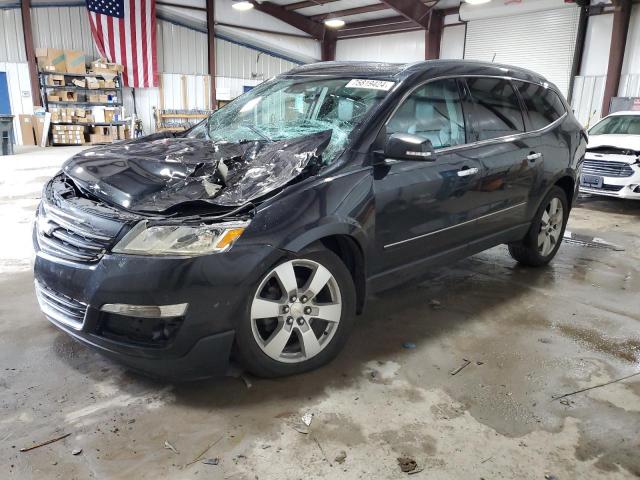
x: 216, y: 287
x: 616, y: 186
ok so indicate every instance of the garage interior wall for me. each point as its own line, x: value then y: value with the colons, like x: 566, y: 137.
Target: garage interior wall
x: 13, y: 61
x: 547, y: 48
x: 182, y: 52
x: 588, y: 89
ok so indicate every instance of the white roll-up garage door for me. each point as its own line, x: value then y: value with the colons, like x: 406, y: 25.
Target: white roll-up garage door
x: 540, y: 41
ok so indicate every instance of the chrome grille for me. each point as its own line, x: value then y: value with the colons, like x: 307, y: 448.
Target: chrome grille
x: 607, y: 168
x: 60, y: 307
x: 63, y: 236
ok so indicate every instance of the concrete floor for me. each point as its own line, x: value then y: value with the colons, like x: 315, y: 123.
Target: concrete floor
x: 530, y: 335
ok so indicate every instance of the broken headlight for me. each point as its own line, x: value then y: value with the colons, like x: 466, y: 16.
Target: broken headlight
x: 145, y: 239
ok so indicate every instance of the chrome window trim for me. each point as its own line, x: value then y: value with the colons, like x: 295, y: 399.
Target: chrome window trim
x: 466, y: 222
x: 480, y: 143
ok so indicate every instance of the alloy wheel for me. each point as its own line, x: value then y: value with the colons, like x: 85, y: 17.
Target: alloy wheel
x: 550, y: 227
x: 296, y: 311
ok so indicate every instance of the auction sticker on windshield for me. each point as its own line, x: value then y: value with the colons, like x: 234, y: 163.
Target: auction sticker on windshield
x: 370, y: 84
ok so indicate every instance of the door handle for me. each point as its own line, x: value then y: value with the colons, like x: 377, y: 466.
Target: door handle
x: 466, y: 172
x: 533, y: 156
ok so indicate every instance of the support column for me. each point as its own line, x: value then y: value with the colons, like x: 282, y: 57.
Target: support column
x: 211, y: 42
x: 433, y: 35
x: 621, y: 16
x: 328, y: 45
x: 25, y: 6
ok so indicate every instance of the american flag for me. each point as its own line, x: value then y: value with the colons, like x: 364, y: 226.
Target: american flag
x: 125, y: 33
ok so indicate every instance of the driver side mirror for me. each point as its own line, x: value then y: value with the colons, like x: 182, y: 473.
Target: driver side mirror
x: 406, y: 146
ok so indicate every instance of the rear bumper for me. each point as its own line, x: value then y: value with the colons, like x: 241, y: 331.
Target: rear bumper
x: 215, y: 287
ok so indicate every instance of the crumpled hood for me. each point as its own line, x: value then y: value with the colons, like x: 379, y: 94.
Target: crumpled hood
x: 153, y: 175
x: 631, y: 142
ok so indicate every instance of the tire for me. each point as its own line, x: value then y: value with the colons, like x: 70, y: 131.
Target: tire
x: 258, y: 338
x: 528, y: 251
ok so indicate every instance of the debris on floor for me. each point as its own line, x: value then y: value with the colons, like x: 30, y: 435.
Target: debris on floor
x: 435, y: 304
x: 465, y: 363
x: 48, y: 442
x: 595, y: 386
x: 409, y: 345
x: 211, y: 461
x: 407, y: 464
x: 307, y: 418
x: 201, y: 454
x: 341, y: 457
x: 76, y: 451
x: 168, y: 446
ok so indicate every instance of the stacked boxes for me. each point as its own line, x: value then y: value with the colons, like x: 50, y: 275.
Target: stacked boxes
x: 68, y: 135
x: 51, y: 59
x: 103, y: 134
x: 69, y: 115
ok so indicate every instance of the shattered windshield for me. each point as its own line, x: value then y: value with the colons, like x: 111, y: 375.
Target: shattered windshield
x: 289, y: 108
x: 618, y: 125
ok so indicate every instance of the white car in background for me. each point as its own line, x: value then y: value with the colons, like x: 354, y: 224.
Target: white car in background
x: 612, y: 162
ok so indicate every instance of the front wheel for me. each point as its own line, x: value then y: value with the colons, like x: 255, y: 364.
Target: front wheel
x: 543, y: 240
x: 298, y: 317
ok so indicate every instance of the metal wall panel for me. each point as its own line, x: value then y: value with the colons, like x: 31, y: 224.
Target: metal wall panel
x: 63, y: 27
x: 588, y: 93
x: 11, y: 36
x: 183, y: 50
x: 397, y: 47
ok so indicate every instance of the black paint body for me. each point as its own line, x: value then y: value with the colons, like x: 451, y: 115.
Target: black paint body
x: 399, y: 217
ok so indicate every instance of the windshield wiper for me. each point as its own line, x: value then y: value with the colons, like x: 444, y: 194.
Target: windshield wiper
x: 257, y: 131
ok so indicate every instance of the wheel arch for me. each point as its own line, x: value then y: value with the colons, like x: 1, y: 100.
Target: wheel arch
x: 568, y: 184
x: 345, y: 240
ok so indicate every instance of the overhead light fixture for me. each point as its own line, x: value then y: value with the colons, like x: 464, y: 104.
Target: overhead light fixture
x: 243, y: 6
x: 476, y: 2
x: 334, y: 23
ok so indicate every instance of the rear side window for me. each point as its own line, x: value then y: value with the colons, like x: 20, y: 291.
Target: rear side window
x: 544, y: 105
x: 496, y: 111
x: 432, y: 111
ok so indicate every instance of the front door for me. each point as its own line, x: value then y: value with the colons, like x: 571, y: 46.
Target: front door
x: 424, y: 208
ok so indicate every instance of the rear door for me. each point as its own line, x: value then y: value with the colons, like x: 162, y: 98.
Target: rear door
x: 552, y: 145
x: 499, y: 143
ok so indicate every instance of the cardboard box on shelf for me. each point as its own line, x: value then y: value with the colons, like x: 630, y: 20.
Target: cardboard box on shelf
x: 108, y: 70
x: 75, y: 61
x: 26, y: 129
x: 79, y: 82
x: 109, y: 84
x: 93, y: 83
x: 55, y: 80
x: 54, y: 96
x: 110, y: 115
x: 51, y: 59
x: 95, y: 98
x: 68, y: 96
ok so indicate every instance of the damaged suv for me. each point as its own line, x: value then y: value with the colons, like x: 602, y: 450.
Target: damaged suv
x: 259, y: 233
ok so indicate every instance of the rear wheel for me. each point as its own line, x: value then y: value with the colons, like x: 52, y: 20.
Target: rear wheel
x: 542, y: 241
x: 298, y: 317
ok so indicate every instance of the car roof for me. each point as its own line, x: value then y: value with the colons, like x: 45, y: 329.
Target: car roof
x: 400, y: 71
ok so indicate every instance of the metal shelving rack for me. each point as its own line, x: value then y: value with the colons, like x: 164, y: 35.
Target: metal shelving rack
x: 84, y: 91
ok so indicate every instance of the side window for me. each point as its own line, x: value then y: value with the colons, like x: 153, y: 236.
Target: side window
x: 496, y: 111
x: 544, y: 105
x: 434, y: 112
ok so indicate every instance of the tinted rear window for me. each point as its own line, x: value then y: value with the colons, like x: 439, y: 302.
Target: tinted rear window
x: 544, y: 105
x: 496, y: 111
